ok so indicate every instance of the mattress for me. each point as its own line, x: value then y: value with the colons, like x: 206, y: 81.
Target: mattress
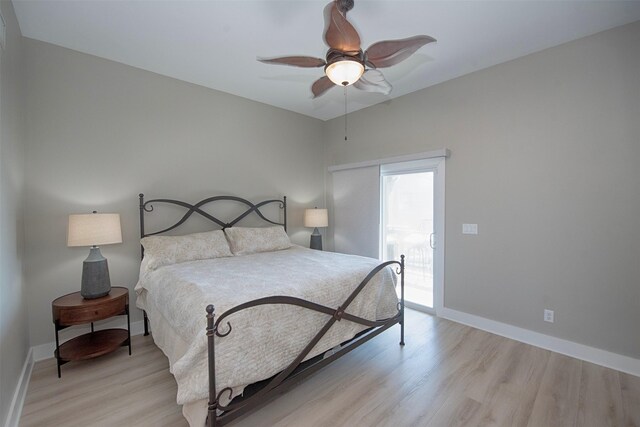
x: 265, y: 339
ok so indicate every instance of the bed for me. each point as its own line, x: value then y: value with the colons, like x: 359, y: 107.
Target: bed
x: 240, y: 326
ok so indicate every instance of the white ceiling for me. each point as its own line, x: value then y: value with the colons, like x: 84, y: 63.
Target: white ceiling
x: 215, y: 43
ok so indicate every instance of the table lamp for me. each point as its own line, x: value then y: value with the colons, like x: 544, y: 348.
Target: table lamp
x: 93, y: 230
x: 316, y: 218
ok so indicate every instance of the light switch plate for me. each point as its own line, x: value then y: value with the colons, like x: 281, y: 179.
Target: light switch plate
x: 469, y: 228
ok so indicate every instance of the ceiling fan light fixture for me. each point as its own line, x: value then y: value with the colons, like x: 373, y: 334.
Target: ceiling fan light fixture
x: 344, y: 72
x: 344, y: 63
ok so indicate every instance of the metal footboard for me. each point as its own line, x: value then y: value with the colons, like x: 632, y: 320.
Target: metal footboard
x: 296, y: 371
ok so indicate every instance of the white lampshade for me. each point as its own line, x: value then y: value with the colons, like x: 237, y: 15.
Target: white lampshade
x: 345, y: 71
x: 94, y: 229
x: 316, y: 218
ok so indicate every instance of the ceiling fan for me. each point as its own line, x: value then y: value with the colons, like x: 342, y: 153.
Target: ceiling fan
x: 346, y: 64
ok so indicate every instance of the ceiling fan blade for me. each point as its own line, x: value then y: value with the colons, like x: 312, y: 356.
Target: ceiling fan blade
x: 391, y: 52
x: 373, y: 81
x: 339, y: 33
x: 321, y: 85
x: 295, y: 61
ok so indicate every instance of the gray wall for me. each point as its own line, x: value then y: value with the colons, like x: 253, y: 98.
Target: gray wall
x: 101, y: 132
x: 545, y: 158
x: 14, y: 334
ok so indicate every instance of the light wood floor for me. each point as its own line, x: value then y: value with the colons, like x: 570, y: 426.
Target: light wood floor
x: 448, y: 374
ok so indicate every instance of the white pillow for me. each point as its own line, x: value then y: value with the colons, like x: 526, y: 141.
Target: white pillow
x: 250, y: 240
x: 167, y: 250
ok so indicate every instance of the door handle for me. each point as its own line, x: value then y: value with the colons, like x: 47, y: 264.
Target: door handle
x: 432, y: 242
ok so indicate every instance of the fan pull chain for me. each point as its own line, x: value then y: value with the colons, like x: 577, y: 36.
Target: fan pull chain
x: 345, y: 112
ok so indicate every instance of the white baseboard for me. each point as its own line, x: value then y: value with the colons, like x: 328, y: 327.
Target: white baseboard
x: 43, y: 352
x: 15, y: 410
x: 569, y: 348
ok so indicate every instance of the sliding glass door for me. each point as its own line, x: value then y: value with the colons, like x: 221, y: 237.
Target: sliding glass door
x: 407, y: 227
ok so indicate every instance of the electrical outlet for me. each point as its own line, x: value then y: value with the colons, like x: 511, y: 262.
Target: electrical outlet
x: 548, y: 316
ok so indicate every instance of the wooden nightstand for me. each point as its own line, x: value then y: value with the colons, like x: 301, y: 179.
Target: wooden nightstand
x: 72, y: 309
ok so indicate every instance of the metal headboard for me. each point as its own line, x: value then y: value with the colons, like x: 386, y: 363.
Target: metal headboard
x: 196, y: 208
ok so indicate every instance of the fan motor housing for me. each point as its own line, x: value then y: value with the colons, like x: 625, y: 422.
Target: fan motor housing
x: 344, y: 5
x: 334, y: 55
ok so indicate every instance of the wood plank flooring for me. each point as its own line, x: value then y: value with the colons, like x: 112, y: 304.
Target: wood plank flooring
x: 447, y: 375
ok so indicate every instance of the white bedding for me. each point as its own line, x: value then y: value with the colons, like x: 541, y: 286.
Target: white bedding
x: 264, y: 340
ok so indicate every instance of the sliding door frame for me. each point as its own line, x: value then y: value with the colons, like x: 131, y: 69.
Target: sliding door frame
x: 437, y: 166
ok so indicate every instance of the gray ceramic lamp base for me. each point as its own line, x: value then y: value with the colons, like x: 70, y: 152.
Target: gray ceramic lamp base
x: 316, y: 240
x: 95, y: 275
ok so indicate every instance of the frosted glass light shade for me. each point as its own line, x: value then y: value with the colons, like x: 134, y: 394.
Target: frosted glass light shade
x: 94, y: 229
x: 316, y: 218
x: 345, y: 72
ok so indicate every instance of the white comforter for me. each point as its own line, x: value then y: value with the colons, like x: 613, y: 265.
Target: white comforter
x: 264, y: 340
